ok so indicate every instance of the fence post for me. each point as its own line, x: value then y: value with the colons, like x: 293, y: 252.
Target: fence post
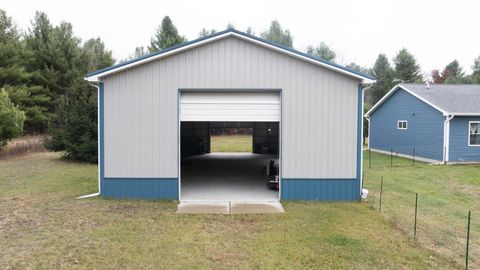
x: 415, y: 225
x: 391, y: 156
x: 369, y: 158
x: 413, y: 155
x: 468, y: 239
x: 381, y: 193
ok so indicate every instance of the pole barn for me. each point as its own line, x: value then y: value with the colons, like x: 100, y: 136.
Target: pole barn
x: 156, y: 114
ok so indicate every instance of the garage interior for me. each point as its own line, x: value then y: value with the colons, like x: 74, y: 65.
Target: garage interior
x: 221, y: 176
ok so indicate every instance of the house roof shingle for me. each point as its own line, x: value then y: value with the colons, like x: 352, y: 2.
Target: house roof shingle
x: 450, y: 99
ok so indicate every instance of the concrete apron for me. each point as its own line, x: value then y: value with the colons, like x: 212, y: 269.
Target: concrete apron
x: 229, y: 207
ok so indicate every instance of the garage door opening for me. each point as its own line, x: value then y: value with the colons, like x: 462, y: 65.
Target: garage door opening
x: 212, y: 170
x: 217, y: 167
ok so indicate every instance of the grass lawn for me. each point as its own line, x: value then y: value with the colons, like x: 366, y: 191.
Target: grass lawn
x: 231, y: 143
x: 446, y: 193
x: 42, y: 226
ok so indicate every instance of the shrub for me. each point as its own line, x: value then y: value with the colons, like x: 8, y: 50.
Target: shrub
x: 11, y: 119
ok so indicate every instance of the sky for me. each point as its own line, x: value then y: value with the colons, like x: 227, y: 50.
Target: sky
x: 436, y: 32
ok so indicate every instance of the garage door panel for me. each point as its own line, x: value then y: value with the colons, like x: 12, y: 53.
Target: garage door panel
x: 227, y: 118
x: 232, y: 112
x: 230, y: 106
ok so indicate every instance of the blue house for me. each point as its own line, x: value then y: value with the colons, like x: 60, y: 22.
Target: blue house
x: 435, y: 123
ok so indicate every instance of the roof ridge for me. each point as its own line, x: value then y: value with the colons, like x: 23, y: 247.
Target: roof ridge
x: 232, y: 30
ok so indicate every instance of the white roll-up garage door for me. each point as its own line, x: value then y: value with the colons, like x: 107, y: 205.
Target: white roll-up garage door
x: 237, y: 106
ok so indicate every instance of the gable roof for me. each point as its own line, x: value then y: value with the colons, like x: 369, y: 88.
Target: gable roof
x: 97, y: 75
x: 449, y: 99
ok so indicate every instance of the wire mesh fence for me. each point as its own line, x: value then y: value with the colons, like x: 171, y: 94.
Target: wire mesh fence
x: 402, y: 155
x: 448, y: 223
x: 414, y: 154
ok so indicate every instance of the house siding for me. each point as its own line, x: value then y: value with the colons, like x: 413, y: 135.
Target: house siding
x: 424, y: 132
x: 459, y: 149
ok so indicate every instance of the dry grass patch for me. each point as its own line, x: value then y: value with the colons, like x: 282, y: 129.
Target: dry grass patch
x: 23, y: 146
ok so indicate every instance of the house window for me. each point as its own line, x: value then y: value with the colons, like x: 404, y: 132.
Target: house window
x: 474, y: 134
x: 402, y: 124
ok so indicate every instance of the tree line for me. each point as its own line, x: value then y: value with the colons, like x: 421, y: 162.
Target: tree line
x: 43, y: 90
x: 42, y: 86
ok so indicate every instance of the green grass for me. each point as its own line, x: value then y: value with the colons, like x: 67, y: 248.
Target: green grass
x: 231, y: 143
x: 446, y: 193
x: 42, y: 226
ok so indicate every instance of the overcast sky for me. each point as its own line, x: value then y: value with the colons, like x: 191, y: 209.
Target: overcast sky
x: 436, y: 32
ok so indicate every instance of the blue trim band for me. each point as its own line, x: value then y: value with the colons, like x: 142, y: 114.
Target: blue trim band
x: 307, y: 189
x: 239, y: 33
x: 141, y: 188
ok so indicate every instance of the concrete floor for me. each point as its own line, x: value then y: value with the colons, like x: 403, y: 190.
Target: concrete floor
x: 226, y: 177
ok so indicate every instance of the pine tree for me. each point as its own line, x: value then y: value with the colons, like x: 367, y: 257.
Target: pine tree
x: 354, y: 66
x: 476, y: 66
x: 34, y: 100
x: 57, y: 59
x: 11, y: 68
x: 454, y: 70
x: 384, y: 74
x: 322, y: 51
x: 78, y: 135
x: 166, y: 36
x: 437, y: 77
x: 98, y: 57
x: 476, y: 70
x: 277, y: 34
x: 75, y: 131
x: 454, y: 73
x: 406, y: 68
x: 138, y: 52
x: 61, y: 63
x: 204, y: 32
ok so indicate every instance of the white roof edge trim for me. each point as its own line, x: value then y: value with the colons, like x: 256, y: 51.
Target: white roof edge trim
x: 281, y: 50
x: 97, y: 77
x: 465, y: 114
x: 393, y: 90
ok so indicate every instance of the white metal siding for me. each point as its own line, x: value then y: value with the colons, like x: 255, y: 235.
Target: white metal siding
x: 244, y: 106
x: 319, y: 109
